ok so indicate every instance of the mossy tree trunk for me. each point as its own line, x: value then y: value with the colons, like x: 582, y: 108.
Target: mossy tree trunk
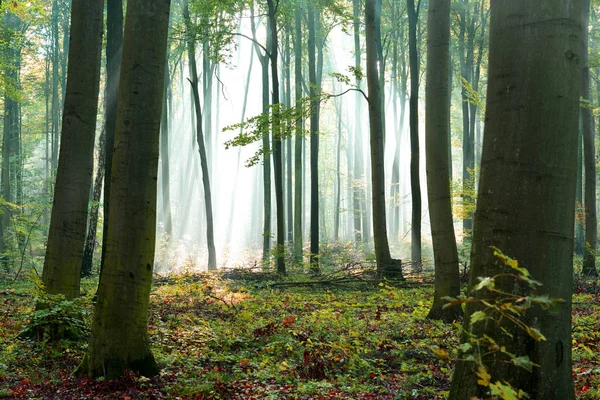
x: 526, y: 198
x: 119, y: 338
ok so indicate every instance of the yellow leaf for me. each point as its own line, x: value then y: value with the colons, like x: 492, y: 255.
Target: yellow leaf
x: 484, y: 377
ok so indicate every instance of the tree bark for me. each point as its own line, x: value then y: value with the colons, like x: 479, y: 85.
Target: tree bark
x: 277, y: 142
x: 298, y: 192
x: 114, y: 43
x: 437, y: 117
x: 526, y: 197
x: 119, y: 339
x: 314, y: 143
x: 66, y: 237
x: 87, y: 261
x: 415, y: 182
x: 589, y: 152
x: 385, y: 264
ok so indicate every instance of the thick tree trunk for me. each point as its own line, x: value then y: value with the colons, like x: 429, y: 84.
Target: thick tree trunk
x: 114, y: 43
x: 526, y: 196
x: 437, y: 117
x: 119, y: 339
x: 62, y: 265
x: 589, y: 153
x: 415, y: 182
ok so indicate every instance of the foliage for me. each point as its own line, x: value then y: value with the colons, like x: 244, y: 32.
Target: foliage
x: 499, y: 305
x: 57, y: 318
x: 217, y: 338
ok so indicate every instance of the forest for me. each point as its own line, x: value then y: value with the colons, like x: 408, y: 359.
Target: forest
x: 299, y: 199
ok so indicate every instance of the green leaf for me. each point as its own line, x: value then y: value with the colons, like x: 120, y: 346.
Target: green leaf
x: 523, y: 362
x: 535, y: 334
x: 478, y: 316
x: 486, y: 282
x: 506, y: 392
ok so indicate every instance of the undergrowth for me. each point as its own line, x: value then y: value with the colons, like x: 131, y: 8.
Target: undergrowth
x: 241, y: 339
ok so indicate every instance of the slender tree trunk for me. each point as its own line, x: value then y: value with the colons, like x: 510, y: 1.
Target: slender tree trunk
x: 415, y: 184
x: 358, y: 195
x: 288, y: 141
x: 264, y: 62
x: 580, y: 220
x: 277, y: 143
x: 298, y: 192
x: 164, y: 156
x: 62, y: 265
x: 314, y: 143
x: 87, y: 261
x: 526, y: 195
x: 338, y: 174
x: 383, y: 257
x: 589, y: 156
x: 119, y: 338
x: 210, y: 236
x: 437, y: 113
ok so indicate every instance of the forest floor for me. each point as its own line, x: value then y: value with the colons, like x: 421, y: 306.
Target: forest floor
x: 244, y: 338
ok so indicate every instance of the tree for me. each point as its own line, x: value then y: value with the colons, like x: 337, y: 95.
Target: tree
x: 210, y: 235
x: 415, y: 183
x: 526, y: 197
x: 62, y: 265
x: 114, y: 43
x: 437, y: 117
x: 119, y: 339
x: 382, y: 248
x: 589, y: 156
x: 264, y: 62
x: 315, y: 93
x: 277, y: 143
x: 299, y: 139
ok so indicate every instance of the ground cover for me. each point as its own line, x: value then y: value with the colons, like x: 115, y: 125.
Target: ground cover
x: 244, y: 339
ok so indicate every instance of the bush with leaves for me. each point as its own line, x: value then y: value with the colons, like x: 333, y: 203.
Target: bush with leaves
x: 57, y: 318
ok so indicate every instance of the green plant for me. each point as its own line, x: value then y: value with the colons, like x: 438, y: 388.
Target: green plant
x: 57, y: 318
x: 499, y: 305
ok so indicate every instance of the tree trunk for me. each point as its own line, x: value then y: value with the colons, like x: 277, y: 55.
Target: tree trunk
x: 264, y: 62
x: 589, y: 156
x: 415, y: 184
x: 114, y: 43
x: 277, y: 143
x: 62, y: 265
x: 87, y: 261
x: 314, y: 143
x: 437, y: 116
x: 164, y: 156
x: 298, y: 192
x: 210, y: 236
x: 119, y: 338
x: 358, y: 185
x: 385, y: 264
x: 526, y: 196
